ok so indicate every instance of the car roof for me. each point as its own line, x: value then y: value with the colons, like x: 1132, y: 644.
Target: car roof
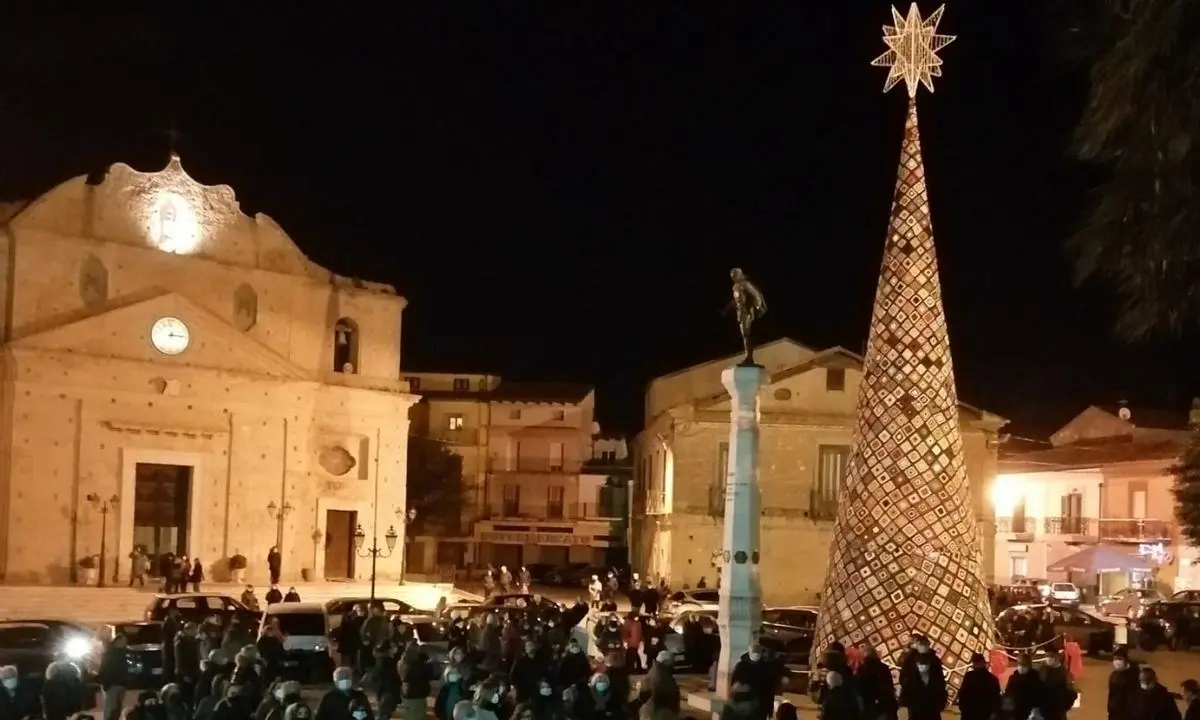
x: 807, y: 608
x: 176, y: 596
x: 44, y: 621
x: 296, y: 608
x: 363, y: 599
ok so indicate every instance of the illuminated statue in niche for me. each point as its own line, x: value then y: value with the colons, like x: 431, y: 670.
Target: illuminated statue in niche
x: 174, y: 228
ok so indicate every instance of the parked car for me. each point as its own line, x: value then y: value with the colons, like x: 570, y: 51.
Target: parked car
x: 308, y: 655
x: 789, y: 647
x: 1025, y: 626
x: 143, y: 650
x: 32, y: 645
x: 1174, y: 623
x: 197, y: 607
x: 1128, y: 603
x: 685, y: 600
x: 337, y: 608
x: 572, y: 575
x: 1064, y: 592
x: 1041, y: 585
x: 520, y: 601
x: 1192, y: 595
x: 1009, y: 595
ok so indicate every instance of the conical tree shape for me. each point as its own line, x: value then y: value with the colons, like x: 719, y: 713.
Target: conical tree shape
x: 906, y: 550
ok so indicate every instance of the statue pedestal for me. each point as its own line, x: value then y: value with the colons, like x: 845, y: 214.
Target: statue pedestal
x: 740, y: 612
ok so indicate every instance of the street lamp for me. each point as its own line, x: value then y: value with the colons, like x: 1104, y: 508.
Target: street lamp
x: 374, y: 552
x: 278, y: 514
x: 408, y: 519
x: 104, y: 507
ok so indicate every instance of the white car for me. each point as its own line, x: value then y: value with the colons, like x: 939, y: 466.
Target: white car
x: 1064, y: 592
x: 692, y: 600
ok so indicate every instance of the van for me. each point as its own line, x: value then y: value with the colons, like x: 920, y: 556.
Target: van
x: 308, y: 655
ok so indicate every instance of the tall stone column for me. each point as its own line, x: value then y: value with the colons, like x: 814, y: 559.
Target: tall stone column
x: 741, y: 593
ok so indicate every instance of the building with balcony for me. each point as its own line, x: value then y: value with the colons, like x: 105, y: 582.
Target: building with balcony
x: 1104, y: 477
x: 807, y: 418
x: 539, y: 484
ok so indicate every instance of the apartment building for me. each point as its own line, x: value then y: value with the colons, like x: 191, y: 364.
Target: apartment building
x: 540, y: 484
x: 1103, y: 478
x: 806, y: 420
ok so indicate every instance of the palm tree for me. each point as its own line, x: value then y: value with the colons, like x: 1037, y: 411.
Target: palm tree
x: 1140, y: 129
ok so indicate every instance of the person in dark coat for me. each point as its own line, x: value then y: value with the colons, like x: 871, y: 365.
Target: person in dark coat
x: 217, y: 665
x: 1153, y: 701
x: 840, y: 703
x: 573, y: 667
x: 1191, y: 696
x: 1058, y: 692
x: 171, y: 627
x: 148, y: 708
x: 19, y: 699
x: 113, y: 676
x: 187, y: 661
x: 873, y: 681
x: 196, y: 575
x: 273, y: 595
x: 335, y: 704
x: 1122, y: 685
x: 348, y: 636
x: 979, y: 695
x: 291, y: 595
x: 923, y: 689
x: 527, y: 672
x: 760, y: 678
x: 62, y: 693
x: 1024, y: 688
x: 270, y: 649
x: 275, y: 565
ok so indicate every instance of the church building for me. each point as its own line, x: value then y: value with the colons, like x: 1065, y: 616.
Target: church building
x: 178, y: 376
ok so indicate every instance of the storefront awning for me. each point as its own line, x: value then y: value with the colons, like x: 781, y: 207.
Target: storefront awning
x: 1101, y: 559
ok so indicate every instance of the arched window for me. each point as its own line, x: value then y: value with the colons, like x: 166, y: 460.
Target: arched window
x: 345, y: 346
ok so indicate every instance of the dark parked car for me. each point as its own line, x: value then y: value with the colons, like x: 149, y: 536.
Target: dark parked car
x: 337, y: 608
x: 1173, y: 623
x: 143, y: 647
x: 1033, y: 625
x: 32, y: 645
x: 197, y: 607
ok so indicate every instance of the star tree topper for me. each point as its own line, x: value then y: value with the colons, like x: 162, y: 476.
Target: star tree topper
x: 913, y: 44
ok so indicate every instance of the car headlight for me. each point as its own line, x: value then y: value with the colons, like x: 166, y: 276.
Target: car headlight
x: 77, y: 648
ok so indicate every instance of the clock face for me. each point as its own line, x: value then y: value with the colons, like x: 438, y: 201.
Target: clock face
x: 169, y: 336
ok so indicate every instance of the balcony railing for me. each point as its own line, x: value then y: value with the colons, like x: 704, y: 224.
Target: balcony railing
x: 538, y: 465
x: 1019, y: 525
x: 461, y: 436
x: 1134, y: 529
x: 551, y: 511
x: 1068, y: 525
x: 821, y: 507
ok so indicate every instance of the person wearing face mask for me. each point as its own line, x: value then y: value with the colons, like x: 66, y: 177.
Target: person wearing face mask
x: 1153, y: 701
x: 920, y: 652
x: 840, y: 702
x: 298, y: 711
x: 573, y: 667
x: 979, y: 696
x: 278, y: 697
x: 1024, y: 688
x: 489, y: 700
x: 20, y: 700
x: 335, y: 704
x: 759, y: 677
x: 207, y: 705
x: 527, y: 671
x: 1122, y: 685
x: 873, y: 680
x: 452, y: 692
x: 923, y: 689
x: 546, y: 705
x: 599, y: 702
x: 360, y: 709
x: 1058, y: 692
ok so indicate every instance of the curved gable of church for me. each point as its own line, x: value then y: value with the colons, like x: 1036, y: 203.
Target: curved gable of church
x: 170, y: 211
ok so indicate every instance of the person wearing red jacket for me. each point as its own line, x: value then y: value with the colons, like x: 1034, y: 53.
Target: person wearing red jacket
x: 631, y: 636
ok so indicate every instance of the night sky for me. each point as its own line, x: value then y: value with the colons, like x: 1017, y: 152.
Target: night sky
x: 561, y: 192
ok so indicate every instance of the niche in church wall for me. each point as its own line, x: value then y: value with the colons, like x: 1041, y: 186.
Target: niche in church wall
x: 245, y: 307
x: 93, y: 283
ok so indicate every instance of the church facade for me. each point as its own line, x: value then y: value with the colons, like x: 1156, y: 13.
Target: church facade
x: 179, y: 377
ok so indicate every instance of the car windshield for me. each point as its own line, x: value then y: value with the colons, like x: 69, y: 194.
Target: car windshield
x: 141, y: 634
x: 1064, y: 587
x: 309, y: 623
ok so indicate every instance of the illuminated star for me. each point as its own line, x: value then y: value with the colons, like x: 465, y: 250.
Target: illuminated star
x: 913, y: 44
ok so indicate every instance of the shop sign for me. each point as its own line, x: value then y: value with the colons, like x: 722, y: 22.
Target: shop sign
x: 536, y: 538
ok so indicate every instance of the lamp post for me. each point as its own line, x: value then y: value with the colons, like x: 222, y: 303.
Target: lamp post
x: 277, y: 514
x: 407, y: 519
x: 374, y: 552
x: 104, y: 507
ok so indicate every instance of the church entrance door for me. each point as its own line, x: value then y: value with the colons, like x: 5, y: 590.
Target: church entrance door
x: 339, y: 544
x: 162, y: 494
